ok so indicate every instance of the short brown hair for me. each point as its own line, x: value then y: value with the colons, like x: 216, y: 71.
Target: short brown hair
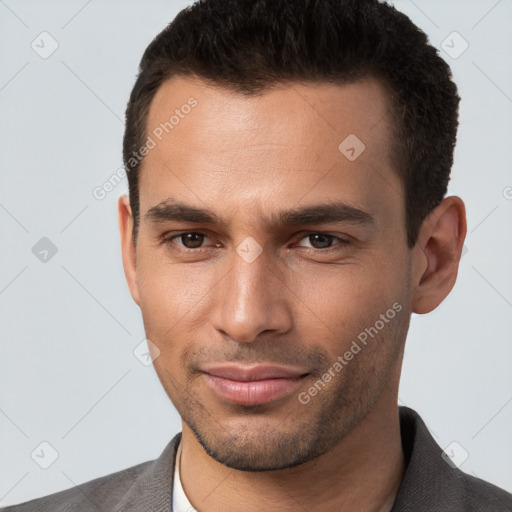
x: 249, y: 45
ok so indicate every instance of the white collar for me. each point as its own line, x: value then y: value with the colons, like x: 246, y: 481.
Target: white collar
x: 180, y: 502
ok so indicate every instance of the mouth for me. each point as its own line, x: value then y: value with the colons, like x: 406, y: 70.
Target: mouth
x: 253, y: 385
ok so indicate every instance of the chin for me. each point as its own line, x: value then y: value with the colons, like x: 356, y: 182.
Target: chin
x: 263, y: 445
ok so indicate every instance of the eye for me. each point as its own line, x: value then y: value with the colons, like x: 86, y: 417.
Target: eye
x: 324, y: 242
x: 190, y: 240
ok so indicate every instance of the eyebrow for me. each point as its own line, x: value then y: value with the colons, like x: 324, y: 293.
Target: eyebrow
x: 324, y: 213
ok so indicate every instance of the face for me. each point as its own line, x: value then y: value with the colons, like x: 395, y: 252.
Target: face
x: 271, y: 265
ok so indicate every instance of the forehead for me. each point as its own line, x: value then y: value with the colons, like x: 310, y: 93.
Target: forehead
x: 315, y: 110
x: 292, y: 143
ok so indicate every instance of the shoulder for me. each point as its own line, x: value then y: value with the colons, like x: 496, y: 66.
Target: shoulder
x: 104, y: 490
x: 431, y: 483
x: 111, y: 492
x: 482, y: 496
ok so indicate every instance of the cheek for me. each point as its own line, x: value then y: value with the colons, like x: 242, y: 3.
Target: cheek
x: 173, y: 299
x: 167, y: 290
x: 337, y: 306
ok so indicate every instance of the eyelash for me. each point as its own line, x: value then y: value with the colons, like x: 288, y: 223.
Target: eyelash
x: 168, y: 239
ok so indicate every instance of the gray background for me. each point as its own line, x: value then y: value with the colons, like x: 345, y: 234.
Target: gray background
x: 68, y: 374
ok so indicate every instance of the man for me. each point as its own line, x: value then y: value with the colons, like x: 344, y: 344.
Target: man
x: 288, y: 162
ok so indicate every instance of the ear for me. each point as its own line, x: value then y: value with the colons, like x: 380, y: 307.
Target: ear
x: 437, y: 254
x: 125, y: 219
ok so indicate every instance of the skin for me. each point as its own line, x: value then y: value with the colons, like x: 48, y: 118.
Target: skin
x: 247, y: 158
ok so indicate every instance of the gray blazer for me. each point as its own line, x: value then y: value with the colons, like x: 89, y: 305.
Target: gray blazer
x: 430, y: 484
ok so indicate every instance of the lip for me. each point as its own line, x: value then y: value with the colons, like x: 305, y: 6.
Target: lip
x: 253, y: 385
x: 254, y: 372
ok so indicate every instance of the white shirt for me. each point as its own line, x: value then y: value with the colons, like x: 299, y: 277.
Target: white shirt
x: 180, y: 502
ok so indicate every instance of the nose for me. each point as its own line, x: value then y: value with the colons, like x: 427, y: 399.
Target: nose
x: 251, y: 299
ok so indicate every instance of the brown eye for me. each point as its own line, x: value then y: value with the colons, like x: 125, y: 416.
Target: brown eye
x: 188, y: 243
x: 191, y: 240
x: 321, y: 241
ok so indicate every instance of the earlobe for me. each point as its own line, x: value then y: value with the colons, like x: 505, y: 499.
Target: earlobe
x: 128, y: 252
x: 437, y: 254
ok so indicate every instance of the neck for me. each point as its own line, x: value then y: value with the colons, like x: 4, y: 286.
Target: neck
x: 363, y: 472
